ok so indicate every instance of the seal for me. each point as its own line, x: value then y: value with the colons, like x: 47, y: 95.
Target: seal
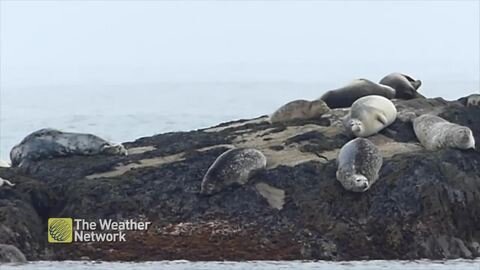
x: 299, y: 109
x: 436, y: 133
x: 473, y: 100
x: 359, y: 162
x: 50, y: 143
x: 345, y: 96
x: 235, y: 166
x: 369, y: 115
x: 5, y: 181
x: 405, y: 86
x: 11, y: 254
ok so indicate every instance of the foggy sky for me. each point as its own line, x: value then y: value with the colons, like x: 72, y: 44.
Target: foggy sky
x: 115, y: 42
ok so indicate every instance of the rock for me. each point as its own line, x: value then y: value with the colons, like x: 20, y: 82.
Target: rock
x: 11, y: 254
x: 424, y: 204
x: 274, y: 196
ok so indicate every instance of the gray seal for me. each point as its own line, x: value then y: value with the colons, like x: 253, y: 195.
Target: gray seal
x: 50, y: 143
x: 369, y: 115
x: 345, y: 96
x: 11, y: 254
x: 359, y: 163
x: 235, y: 166
x: 405, y: 86
x: 299, y: 109
x: 436, y: 133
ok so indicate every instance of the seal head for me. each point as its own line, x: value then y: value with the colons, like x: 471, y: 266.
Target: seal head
x: 405, y: 86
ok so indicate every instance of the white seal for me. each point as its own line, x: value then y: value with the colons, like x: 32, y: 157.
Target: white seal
x: 369, y: 115
x: 436, y: 133
x: 235, y: 166
x: 359, y: 163
x: 299, y: 109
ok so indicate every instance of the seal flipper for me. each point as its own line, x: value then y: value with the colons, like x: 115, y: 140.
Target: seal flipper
x: 382, y: 119
x: 415, y: 83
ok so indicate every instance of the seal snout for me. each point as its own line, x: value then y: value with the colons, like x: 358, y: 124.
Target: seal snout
x: 361, y: 182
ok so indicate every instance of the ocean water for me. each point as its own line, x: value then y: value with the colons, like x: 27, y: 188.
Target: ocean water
x: 252, y: 265
x: 126, y: 112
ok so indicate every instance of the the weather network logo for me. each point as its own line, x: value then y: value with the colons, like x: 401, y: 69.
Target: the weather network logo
x: 69, y: 230
x: 60, y: 230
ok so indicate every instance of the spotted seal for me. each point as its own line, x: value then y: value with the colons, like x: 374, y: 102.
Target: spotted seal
x: 235, y: 166
x: 49, y: 143
x: 359, y: 162
x: 436, y: 133
x: 299, y: 109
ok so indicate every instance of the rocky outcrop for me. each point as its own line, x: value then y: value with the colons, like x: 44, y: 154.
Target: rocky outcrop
x: 11, y: 254
x: 424, y: 205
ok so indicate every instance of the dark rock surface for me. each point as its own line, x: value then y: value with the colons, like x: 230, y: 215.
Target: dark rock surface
x: 424, y: 205
x: 11, y: 254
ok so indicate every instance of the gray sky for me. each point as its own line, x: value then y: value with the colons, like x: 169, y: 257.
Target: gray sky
x: 97, y: 42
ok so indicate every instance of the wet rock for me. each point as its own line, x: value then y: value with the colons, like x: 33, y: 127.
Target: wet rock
x: 11, y: 254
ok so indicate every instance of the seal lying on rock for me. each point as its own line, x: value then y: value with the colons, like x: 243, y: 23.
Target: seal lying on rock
x: 49, y: 143
x: 11, y: 254
x: 233, y: 166
x: 299, y: 109
x: 359, y: 163
x: 436, y: 133
x: 369, y: 115
x: 5, y: 181
x: 405, y: 86
x: 345, y: 96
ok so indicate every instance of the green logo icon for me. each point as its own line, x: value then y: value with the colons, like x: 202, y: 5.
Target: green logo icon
x: 60, y: 230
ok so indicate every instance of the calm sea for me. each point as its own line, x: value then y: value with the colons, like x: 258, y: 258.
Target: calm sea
x: 253, y: 265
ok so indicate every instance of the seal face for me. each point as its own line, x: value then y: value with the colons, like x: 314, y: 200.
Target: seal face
x: 369, y: 115
x: 436, y: 133
x: 473, y: 100
x: 405, y: 86
x: 359, y: 162
x: 233, y: 166
x: 345, y: 96
x: 299, y: 109
x: 49, y: 143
